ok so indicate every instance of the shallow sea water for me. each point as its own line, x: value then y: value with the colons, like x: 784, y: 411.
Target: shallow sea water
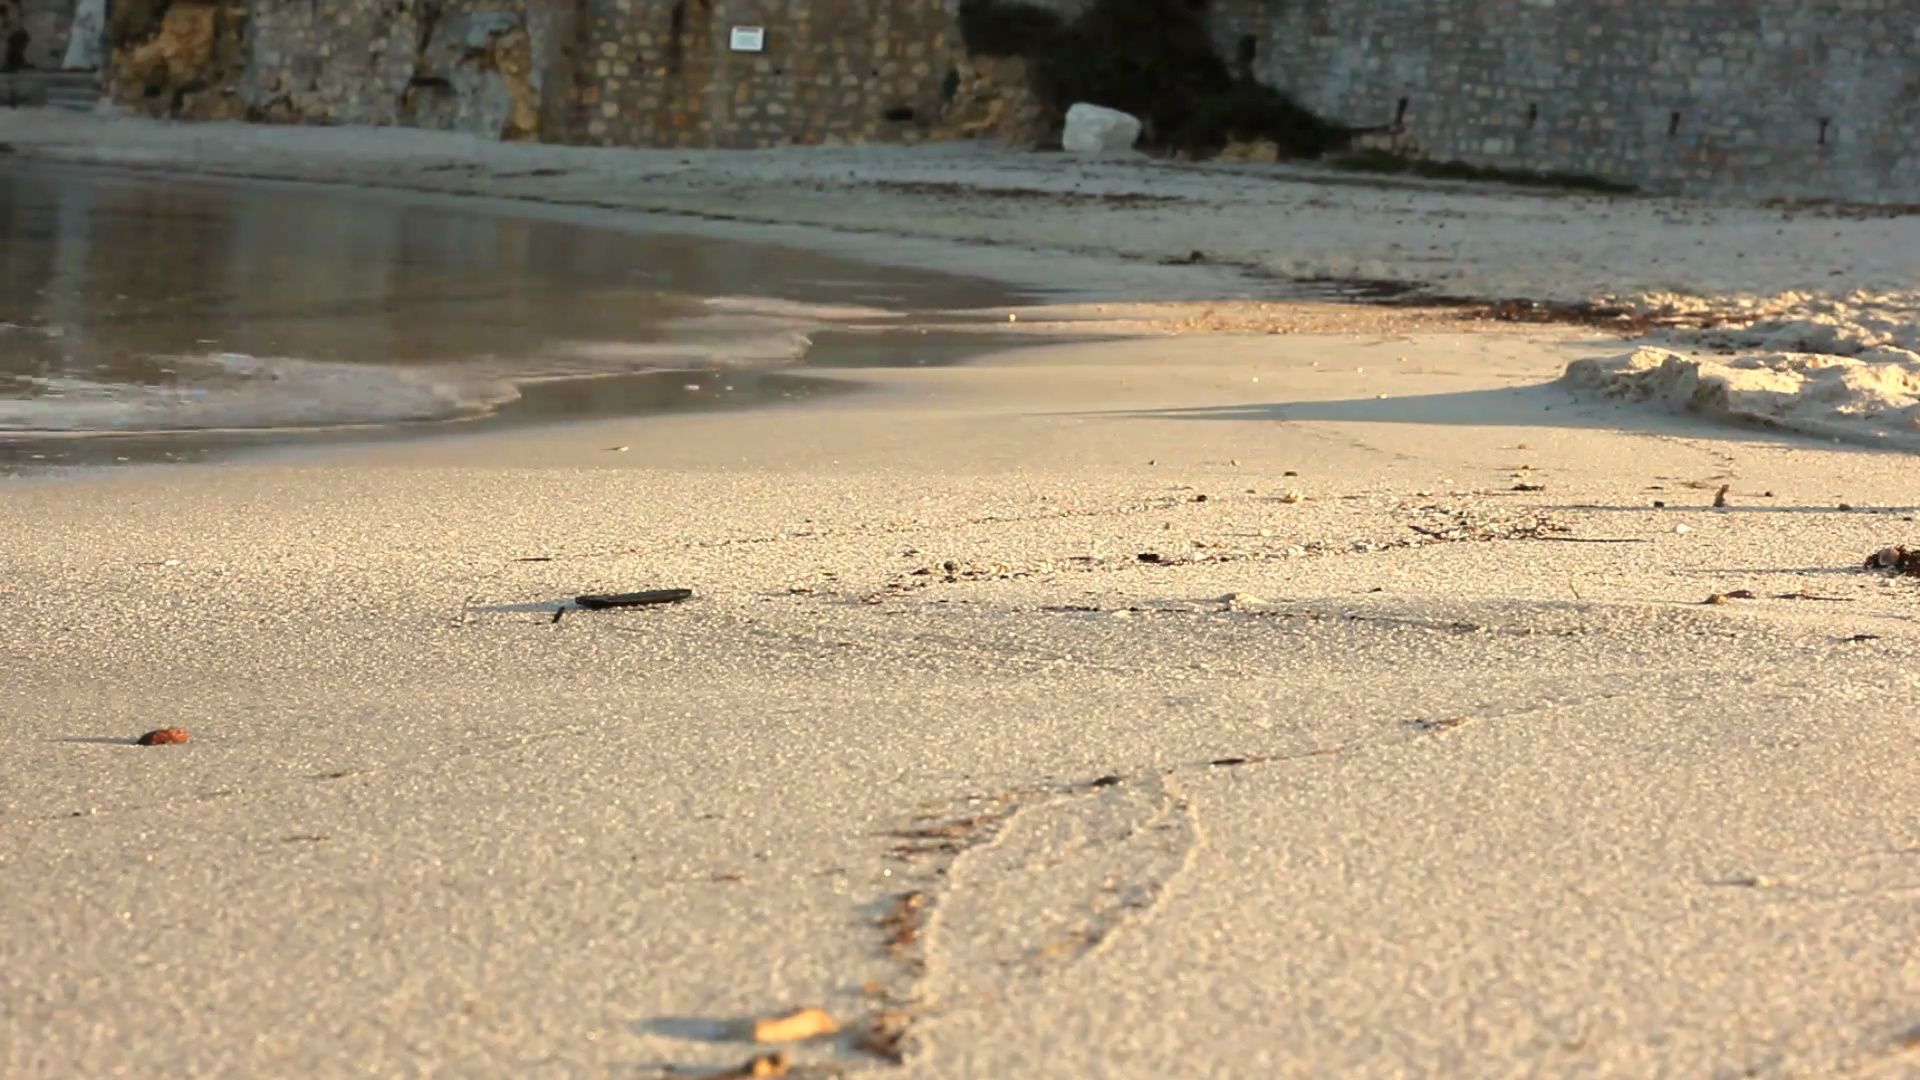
x: 150, y: 318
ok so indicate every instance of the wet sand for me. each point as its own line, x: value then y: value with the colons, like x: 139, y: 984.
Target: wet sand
x: 1291, y: 704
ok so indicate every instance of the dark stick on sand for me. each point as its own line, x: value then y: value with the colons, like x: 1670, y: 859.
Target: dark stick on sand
x: 603, y: 601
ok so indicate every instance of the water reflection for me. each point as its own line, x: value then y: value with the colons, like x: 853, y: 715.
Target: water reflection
x: 107, y: 281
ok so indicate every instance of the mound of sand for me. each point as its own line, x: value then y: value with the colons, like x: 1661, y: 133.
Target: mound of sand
x: 1843, y: 324
x: 1871, y: 397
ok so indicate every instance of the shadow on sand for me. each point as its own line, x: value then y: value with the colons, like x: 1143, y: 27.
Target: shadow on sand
x: 1542, y: 405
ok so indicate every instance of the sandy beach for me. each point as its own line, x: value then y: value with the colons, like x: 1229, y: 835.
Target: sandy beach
x: 1281, y: 689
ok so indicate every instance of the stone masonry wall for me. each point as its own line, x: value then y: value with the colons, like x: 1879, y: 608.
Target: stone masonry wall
x: 1766, y: 98
x: 612, y: 72
x: 662, y: 72
x: 1789, y: 98
x: 463, y: 65
x: 45, y: 24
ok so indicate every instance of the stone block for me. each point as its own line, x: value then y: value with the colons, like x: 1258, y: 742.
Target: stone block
x: 1095, y: 129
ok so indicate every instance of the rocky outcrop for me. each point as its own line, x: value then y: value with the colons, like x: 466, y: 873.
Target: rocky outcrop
x: 496, y: 72
x: 992, y: 98
x: 476, y: 74
x: 188, y: 69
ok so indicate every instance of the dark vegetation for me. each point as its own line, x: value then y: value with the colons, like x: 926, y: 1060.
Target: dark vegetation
x: 1151, y: 58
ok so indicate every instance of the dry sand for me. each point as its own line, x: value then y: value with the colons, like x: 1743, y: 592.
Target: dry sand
x: 1381, y: 766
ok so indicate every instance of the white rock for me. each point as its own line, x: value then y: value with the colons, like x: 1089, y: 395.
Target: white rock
x: 1095, y: 129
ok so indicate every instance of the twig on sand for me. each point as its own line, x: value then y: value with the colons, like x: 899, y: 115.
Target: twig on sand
x: 602, y: 601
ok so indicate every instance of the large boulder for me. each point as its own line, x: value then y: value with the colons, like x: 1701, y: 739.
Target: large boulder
x: 1095, y: 129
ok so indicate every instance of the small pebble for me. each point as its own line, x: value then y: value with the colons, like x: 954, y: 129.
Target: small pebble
x: 1682, y: 529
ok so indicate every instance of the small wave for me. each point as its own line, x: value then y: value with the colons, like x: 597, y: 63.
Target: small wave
x: 726, y: 349
x: 797, y: 310
x: 240, y: 392
x: 234, y: 391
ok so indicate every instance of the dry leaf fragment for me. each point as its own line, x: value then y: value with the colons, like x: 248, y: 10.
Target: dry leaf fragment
x: 795, y: 1026
x: 164, y: 736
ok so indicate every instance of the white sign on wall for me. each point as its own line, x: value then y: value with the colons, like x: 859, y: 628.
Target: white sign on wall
x: 749, y: 38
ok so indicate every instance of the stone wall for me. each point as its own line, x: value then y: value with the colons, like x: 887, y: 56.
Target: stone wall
x: 462, y: 65
x: 613, y: 72
x: 664, y: 72
x: 1790, y: 98
x: 1794, y: 98
x: 44, y: 22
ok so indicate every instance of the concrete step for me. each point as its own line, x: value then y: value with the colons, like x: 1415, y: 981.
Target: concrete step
x: 78, y: 91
